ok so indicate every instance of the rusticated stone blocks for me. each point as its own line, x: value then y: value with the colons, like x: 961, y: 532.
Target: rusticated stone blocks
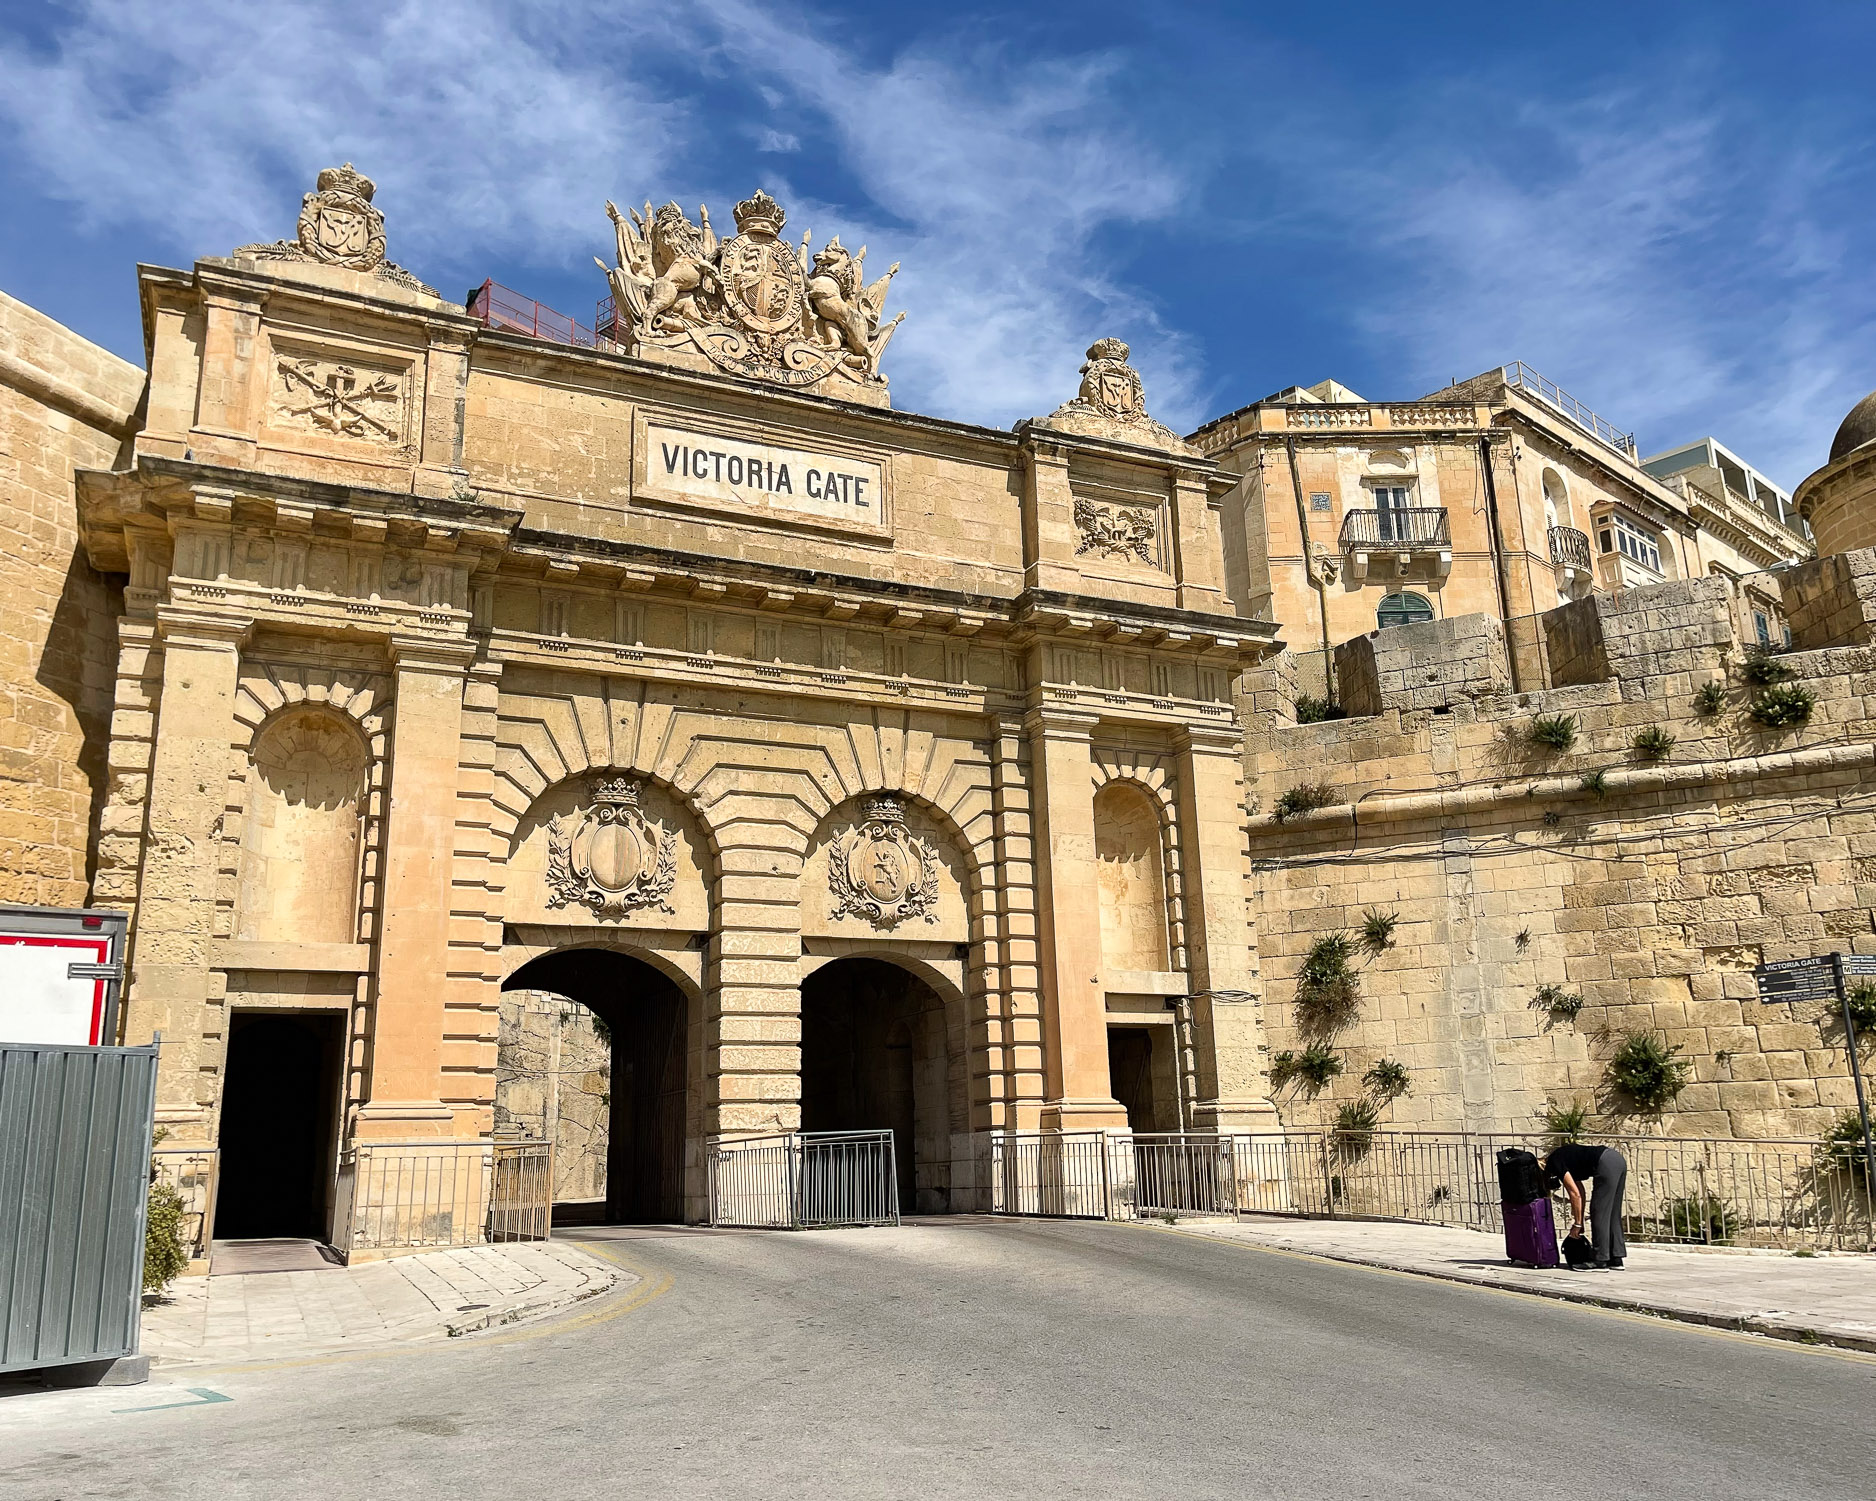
x: 1831, y: 601
x: 1431, y: 665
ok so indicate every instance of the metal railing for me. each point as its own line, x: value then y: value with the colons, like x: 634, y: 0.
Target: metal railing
x: 1521, y: 375
x: 442, y: 1194
x: 1185, y: 1175
x: 1060, y: 1174
x: 1408, y: 526
x: 803, y: 1180
x: 496, y: 306
x: 192, y: 1172
x: 1569, y: 548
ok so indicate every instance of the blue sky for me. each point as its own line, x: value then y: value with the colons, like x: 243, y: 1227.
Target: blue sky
x: 1667, y: 209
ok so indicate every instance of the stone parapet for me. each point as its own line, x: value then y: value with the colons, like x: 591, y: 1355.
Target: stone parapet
x: 1831, y: 601
x: 1432, y: 665
x: 1684, y: 628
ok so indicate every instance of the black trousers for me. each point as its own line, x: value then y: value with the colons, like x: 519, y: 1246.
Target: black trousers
x: 1605, y: 1207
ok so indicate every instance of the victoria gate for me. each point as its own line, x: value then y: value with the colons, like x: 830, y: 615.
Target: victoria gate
x: 654, y: 746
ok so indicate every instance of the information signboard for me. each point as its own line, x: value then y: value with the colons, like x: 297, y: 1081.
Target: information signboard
x: 1813, y: 979
x: 61, y: 971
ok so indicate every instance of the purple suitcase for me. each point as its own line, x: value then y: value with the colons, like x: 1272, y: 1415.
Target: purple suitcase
x: 1531, y: 1233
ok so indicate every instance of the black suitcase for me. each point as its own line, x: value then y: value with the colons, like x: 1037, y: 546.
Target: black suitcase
x: 1520, y: 1176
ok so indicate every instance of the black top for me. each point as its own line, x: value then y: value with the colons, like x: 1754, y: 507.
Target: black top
x: 1579, y: 1161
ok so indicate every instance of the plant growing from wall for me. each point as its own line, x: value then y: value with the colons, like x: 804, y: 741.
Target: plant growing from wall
x: 1762, y: 667
x: 1377, y: 931
x: 1553, y: 732
x: 1709, y: 699
x: 1693, y: 1217
x: 1313, y: 710
x: 1860, y: 1002
x: 165, y: 1257
x: 1782, y: 705
x: 1842, y: 1148
x: 1306, y: 799
x: 1558, y: 1004
x: 1648, y: 1071
x: 1552, y: 818
x: 1313, y: 1068
x: 1355, y: 1122
x: 1596, y: 782
x: 1653, y: 743
x: 1387, y: 1080
x: 1564, y: 1124
x: 1328, y: 991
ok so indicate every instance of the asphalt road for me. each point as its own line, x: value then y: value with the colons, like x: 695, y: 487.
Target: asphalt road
x: 973, y: 1358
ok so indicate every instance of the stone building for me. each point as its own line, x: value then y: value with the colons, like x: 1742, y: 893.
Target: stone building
x: 680, y: 676
x: 651, y: 736
x: 1500, y: 495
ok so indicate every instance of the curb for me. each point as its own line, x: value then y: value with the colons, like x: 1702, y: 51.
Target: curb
x: 502, y: 1317
x: 1780, y: 1329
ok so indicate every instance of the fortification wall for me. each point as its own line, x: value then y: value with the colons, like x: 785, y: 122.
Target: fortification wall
x: 65, y: 405
x: 1648, y: 886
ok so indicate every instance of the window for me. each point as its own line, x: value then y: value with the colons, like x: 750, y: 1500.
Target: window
x: 1619, y: 534
x: 1319, y: 500
x: 1404, y: 609
x: 1762, y: 627
x: 1389, y: 502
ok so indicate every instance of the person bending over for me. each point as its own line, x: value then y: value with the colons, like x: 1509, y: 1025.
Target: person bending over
x: 1601, y: 1173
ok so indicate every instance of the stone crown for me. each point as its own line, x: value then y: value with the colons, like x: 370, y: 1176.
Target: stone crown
x: 1109, y: 349
x: 620, y: 792
x: 886, y: 809
x: 760, y: 209
x: 346, y: 180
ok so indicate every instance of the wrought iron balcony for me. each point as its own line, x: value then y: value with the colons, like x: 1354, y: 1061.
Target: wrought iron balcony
x: 1569, y: 548
x: 1409, y: 529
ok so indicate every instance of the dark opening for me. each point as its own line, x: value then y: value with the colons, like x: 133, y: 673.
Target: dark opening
x: 1130, y: 1067
x: 279, y: 1124
x: 645, y: 1014
x: 874, y: 1056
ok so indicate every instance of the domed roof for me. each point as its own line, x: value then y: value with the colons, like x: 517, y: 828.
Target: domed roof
x: 1858, y: 428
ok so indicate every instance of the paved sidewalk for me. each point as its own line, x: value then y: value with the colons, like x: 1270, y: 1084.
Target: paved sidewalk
x: 437, y: 1295
x: 1817, y: 1300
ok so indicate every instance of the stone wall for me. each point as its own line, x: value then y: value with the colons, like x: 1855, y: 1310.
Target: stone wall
x: 1648, y: 887
x: 65, y: 405
x: 553, y: 1083
x: 1425, y: 666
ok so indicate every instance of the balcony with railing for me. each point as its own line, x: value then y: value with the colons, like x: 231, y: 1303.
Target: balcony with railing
x: 1405, y: 532
x: 1569, y: 549
x: 1521, y: 375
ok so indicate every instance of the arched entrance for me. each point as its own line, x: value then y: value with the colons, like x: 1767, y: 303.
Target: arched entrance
x: 877, y: 1053
x: 646, y: 1019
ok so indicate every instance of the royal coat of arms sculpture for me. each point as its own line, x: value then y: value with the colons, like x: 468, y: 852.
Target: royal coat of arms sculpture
x: 752, y: 305
x: 340, y: 226
x: 1112, y: 402
x: 609, y: 856
x: 881, y: 871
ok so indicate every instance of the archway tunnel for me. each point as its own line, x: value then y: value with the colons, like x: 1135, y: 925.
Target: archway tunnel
x: 877, y: 1053
x: 636, y: 1107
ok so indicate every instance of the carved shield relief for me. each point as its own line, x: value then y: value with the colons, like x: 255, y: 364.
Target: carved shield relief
x: 881, y: 871
x: 609, y: 856
x: 763, y: 284
x: 342, y: 229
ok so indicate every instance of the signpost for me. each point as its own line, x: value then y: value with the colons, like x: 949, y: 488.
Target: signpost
x: 1821, y: 978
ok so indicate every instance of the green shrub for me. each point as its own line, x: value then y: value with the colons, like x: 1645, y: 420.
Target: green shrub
x: 1860, y: 1002
x: 1564, y: 1124
x: 1693, y: 1217
x: 1555, y: 732
x: 1653, y: 743
x: 1782, y: 705
x: 1387, y: 1080
x: 1355, y: 1122
x: 1312, y: 1068
x: 1557, y: 1003
x: 1552, y: 818
x: 1313, y: 710
x: 1761, y: 667
x: 165, y: 1257
x: 1649, y: 1071
x: 1306, y: 799
x: 1328, y: 991
x: 1842, y: 1149
x: 1595, y: 782
x: 1377, y: 930
x: 1709, y: 699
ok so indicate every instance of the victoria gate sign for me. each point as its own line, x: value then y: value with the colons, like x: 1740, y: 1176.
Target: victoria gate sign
x: 728, y: 474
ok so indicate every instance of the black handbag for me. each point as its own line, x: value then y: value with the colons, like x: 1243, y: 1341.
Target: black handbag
x: 1577, y: 1250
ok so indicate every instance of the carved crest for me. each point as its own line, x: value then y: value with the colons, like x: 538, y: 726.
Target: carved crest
x: 340, y: 226
x: 1114, y: 531
x: 881, y: 871
x: 752, y: 305
x: 1112, y: 402
x: 609, y: 856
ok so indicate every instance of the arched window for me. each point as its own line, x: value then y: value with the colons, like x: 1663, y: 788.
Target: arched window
x: 1556, y: 499
x: 1404, y: 609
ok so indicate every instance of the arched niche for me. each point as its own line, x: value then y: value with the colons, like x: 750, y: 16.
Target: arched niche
x: 1129, y: 855
x: 595, y: 832
x: 301, y: 835
x: 883, y: 864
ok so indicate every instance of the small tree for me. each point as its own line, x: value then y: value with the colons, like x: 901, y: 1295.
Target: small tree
x: 165, y: 1257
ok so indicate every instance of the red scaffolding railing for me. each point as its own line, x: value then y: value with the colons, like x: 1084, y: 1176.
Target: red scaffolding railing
x: 497, y: 306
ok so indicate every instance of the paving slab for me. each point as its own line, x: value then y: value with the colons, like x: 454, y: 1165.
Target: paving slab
x: 435, y: 1295
x: 1828, y: 1298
